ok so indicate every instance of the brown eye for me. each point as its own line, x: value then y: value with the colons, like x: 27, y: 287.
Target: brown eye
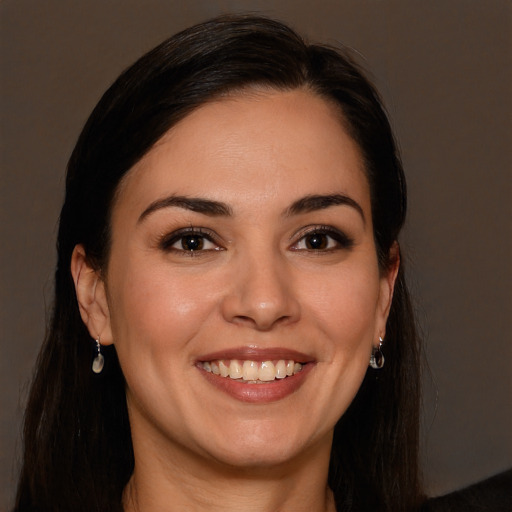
x: 322, y: 238
x: 192, y: 242
x: 317, y: 241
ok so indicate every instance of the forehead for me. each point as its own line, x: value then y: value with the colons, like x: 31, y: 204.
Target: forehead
x: 267, y: 146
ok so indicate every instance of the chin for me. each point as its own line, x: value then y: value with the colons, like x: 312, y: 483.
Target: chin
x: 258, y: 459
x: 261, y: 446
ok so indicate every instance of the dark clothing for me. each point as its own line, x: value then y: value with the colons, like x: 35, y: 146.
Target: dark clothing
x: 491, y: 495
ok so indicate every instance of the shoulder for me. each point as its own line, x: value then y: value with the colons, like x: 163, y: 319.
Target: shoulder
x: 491, y: 495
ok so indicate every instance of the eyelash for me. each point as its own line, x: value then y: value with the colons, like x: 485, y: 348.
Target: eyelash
x: 342, y: 240
x: 166, y: 244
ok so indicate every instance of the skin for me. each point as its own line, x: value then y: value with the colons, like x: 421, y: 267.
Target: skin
x: 255, y: 283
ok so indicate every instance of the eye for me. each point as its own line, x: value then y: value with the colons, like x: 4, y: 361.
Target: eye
x: 322, y: 238
x: 190, y: 240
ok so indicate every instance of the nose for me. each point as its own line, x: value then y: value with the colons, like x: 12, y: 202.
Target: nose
x: 261, y: 294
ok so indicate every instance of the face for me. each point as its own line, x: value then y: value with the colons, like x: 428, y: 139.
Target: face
x: 242, y: 245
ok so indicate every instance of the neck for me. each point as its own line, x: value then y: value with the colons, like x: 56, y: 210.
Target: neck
x: 168, y: 482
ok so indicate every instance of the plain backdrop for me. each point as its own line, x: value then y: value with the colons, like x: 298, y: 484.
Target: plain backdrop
x: 444, y: 68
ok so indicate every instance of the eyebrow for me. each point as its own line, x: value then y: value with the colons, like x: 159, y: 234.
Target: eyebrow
x: 321, y: 202
x: 216, y: 208
x: 195, y: 204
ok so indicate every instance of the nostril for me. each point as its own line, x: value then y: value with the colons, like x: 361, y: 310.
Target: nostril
x: 260, y: 300
x: 262, y: 324
x: 243, y: 319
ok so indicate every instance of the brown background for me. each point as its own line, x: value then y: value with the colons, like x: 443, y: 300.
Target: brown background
x: 444, y: 68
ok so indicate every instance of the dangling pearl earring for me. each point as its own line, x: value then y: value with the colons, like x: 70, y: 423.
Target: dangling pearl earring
x: 99, y: 360
x: 377, y: 357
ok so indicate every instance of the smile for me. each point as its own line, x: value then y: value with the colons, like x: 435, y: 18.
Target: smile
x: 252, y: 372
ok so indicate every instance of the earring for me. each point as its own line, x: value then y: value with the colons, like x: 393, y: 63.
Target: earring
x: 377, y: 357
x: 99, y: 360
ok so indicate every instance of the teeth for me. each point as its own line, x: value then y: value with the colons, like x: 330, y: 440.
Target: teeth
x: 224, y: 370
x: 235, y: 369
x: 250, y: 370
x: 281, y: 369
x: 253, y: 372
x: 267, y: 371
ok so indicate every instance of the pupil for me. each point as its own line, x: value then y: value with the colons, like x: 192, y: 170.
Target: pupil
x: 316, y: 241
x: 192, y: 243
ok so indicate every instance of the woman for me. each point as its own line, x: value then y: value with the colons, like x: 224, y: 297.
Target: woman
x: 228, y: 281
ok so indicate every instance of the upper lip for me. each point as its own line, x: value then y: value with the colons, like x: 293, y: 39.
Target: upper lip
x: 254, y: 353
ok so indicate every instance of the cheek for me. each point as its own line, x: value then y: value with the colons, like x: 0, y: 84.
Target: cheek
x: 345, y: 309
x: 156, y: 316
x: 342, y: 313
x: 154, y: 312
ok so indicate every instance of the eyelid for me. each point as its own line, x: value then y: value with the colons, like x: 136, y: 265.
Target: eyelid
x: 167, y: 240
x: 344, y: 241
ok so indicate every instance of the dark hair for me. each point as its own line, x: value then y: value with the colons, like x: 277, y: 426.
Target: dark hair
x: 78, y: 453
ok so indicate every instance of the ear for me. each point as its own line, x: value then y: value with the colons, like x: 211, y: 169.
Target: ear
x: 387, y: 286
x: 91, y: 296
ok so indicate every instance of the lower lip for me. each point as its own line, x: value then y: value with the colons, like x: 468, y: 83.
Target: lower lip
x: 259, y: 393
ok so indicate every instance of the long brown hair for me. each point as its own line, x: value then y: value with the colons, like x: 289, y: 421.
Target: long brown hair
x: 77, y: 445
